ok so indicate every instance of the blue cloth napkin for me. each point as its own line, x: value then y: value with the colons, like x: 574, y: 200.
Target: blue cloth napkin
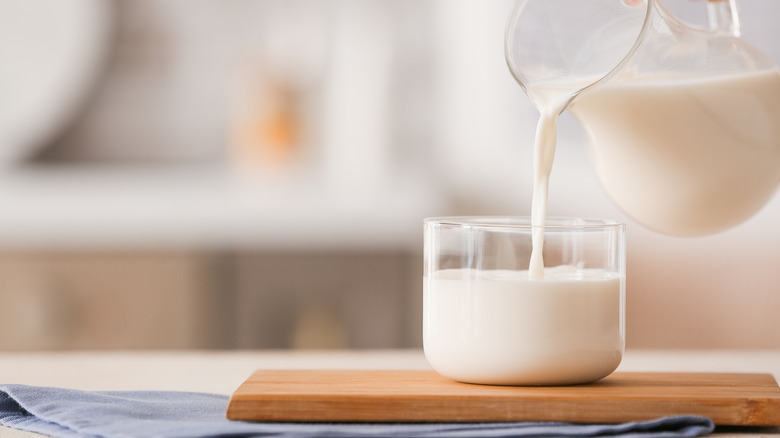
x: 68, y: 413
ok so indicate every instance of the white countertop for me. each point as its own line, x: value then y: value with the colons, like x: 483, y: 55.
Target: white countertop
x: 222, y: 372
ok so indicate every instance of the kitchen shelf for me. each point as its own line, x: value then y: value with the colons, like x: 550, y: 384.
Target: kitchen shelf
x: 84, y: 207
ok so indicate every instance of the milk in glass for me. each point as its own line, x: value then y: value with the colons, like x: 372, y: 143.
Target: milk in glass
x: 502, y: 327
x: 541, y: 326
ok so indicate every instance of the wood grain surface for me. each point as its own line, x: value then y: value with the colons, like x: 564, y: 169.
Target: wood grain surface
x: 424, y: 396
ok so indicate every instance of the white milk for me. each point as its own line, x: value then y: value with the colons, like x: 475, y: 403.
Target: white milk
x: 551, y: 102
x: 686, y: 157
x: 500, y: 327
x: 543, y: 326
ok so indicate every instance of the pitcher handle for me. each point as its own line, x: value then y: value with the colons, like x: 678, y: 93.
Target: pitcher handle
x: 724, y: 16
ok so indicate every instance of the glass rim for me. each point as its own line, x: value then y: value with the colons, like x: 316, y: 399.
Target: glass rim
x: 524, y: 223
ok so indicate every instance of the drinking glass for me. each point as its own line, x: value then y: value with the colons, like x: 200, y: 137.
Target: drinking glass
x: 486, y: 321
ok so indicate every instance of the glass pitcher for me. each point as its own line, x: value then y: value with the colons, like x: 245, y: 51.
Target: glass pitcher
x: 682, y: 122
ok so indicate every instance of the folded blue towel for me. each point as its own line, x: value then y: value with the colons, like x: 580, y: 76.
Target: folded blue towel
x: 69, y: 413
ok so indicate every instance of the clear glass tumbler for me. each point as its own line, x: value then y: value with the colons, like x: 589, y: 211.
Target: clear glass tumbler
x: 486, y: 321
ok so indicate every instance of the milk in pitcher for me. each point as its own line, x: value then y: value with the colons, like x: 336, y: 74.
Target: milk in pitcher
x: 686, y: 157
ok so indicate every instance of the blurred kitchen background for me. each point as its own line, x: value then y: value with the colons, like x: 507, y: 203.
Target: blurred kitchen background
x: 254, y: 174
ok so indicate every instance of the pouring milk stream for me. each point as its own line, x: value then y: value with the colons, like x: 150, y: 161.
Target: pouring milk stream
x: 683, y: 123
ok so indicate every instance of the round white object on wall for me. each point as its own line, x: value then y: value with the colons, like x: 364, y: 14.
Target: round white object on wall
x: 51, y: 55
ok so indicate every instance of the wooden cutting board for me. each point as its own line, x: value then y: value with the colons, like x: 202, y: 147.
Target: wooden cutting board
x: 424, y: 396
